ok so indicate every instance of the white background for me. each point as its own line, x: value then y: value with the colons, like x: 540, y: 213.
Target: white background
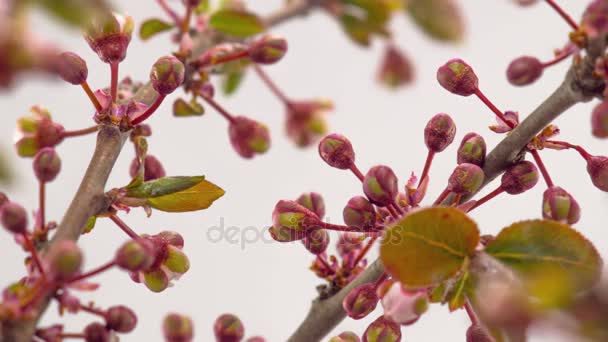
x: 268, y: 284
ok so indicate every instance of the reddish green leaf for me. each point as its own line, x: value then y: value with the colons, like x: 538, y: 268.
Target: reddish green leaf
x: 183, y: 108
x: 163, y: 186
x: 152, y: 27
x: 235, y: 22
x: 440, y: 19
x: 429, y: 246
x: 198, y: 197
x: 539, y: 247
x: 232, y: 81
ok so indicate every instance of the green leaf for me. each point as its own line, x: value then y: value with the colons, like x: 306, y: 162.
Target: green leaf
x: 439, y: 19
x: 163, y: 186
x: 458, y: 296
x: 75, y: 12
x: 198, y: 197
x: 183, y: 108
x: 232, y: 81
x: 539, y: 247
x: 152, y: 27
x: 176, y: 260
x: 234, y: 22
x: 90, y: 225
x: 429, y: 246
x: 203, y: 7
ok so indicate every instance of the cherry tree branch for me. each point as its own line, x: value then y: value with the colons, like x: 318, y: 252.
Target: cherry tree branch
x: 90, y: 199
x: 579, y: 85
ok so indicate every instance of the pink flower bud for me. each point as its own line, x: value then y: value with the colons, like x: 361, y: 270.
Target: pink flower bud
x: 228, y: 328
x: 316, y: 241
x: 167, y: 74
x: 248, y: 137
x: 153, y: 168
x: 64, y: 260
x: 382, y: 330
x: 359, y: 213
x: 268, y: 49
x: 47, y: 164
x: 599, y: 120
x: 313, y: 201
x: 402, y: 306
x: 306, y: 121
x: 458, y: 77
x: 72, y: 68
x: 519, y: 178
x: 559, y: 205
x: 396, y: 68
x: 347, y: 336
x: 476, y: 333
x: 109, y: 36
x: 597, y: 167
x: 466, y: 179
x: 291, y: 221
x: 37, y: 131
x: 121, y: 319
x: 472, y: 150
x: 96, y: 332
x: 177, y: 328
x: 337, y: 151
x: 381, y: 185
x: 524, y: 70
x: 349, y: 243
x: 595, y: 19
x: 439, y: 132
x: 360, y: 301
x: 13, y: 217
x: 171, y: 238
x: 135, y: 255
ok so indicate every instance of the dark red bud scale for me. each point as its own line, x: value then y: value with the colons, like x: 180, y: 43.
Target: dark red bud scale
x: 524, y: 70
x: 439, y: 132
x: 519, y: 178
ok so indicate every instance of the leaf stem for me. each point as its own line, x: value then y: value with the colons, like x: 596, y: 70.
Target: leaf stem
x: 492, y: 107
x: 93, y: 272
x: 157, y: 102
x: 541, y: 167
x: 114, y: 81
x: 125, y: 228
x: 219, y: 109
x: 80, y: 132
x: 563, y: 14
x: 91, y: 95
x: 274, y: 88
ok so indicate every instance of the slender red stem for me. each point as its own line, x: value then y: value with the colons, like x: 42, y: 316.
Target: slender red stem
x: 93, y: 272
x: 341, y: 228
x: 149, y: 111
x: 271, y: 84
x: 185, y: 27
x: 91, y: 95
x: 219, y: 108
x: 114, y: 81
x: 471, y: 313
x: 457, y: 199
x: 72, y: 335
x: 80, y: 132
x: 125, y: 228
x: 171, y: 13
x: 558, y: 58
x: 93, y: 311
x: 495, y: 109
x: 586, y: 155
x: 563, y: 14
x: 427, y: 166
x: 231, y: 57
x: 325, y: 262
x: 487, y: 197
x: 392, y: 210
x: 380, y: 280
x: 32, y: 249
x: 364, y: 251
x: 42, y: 204
x: 541, y: 166
x: 442, y: 196
x: 357, y: 172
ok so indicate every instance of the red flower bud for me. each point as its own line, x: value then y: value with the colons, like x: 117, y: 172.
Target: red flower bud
x: 396, y: 68
x: 268, y: 49
x: 72, y: 68
x: 178, y: 328
x: 316, y: 241
x: 153, y: 168
x: 121, y: 319
x: 597, y: 167
x: 291, y: 221
x: 96, y: 332
x: 476, y: 333
x: 472, y: 150
x: 167, y: 74
x: 595, y: 19
x: 135, y: 255
x: 359, y: 213
x: 349, y: 243
x: 458, y: 77
x: 524, y: 70
x: 314, y: 202
x: 337, y: 151
x: 306, y: 121
x: 347, y: 336
x: 228, y: 328
x: 13, y: 217
x: 439, y: 132
x: 559, y: 205
x: 519, y: 178
x: 382, y: 330
x: 248, y: 137
x: 466, y: 179
x: 64, y: 260
x: 47, y: 164
x: 360, y: 301
x: 37, y: 131
x: 381, y: 185
x: 109, y: 36
x: 599, y: 120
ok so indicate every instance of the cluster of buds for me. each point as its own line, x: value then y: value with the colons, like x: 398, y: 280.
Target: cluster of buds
x: 36, y: 132
x: 229, y: 328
